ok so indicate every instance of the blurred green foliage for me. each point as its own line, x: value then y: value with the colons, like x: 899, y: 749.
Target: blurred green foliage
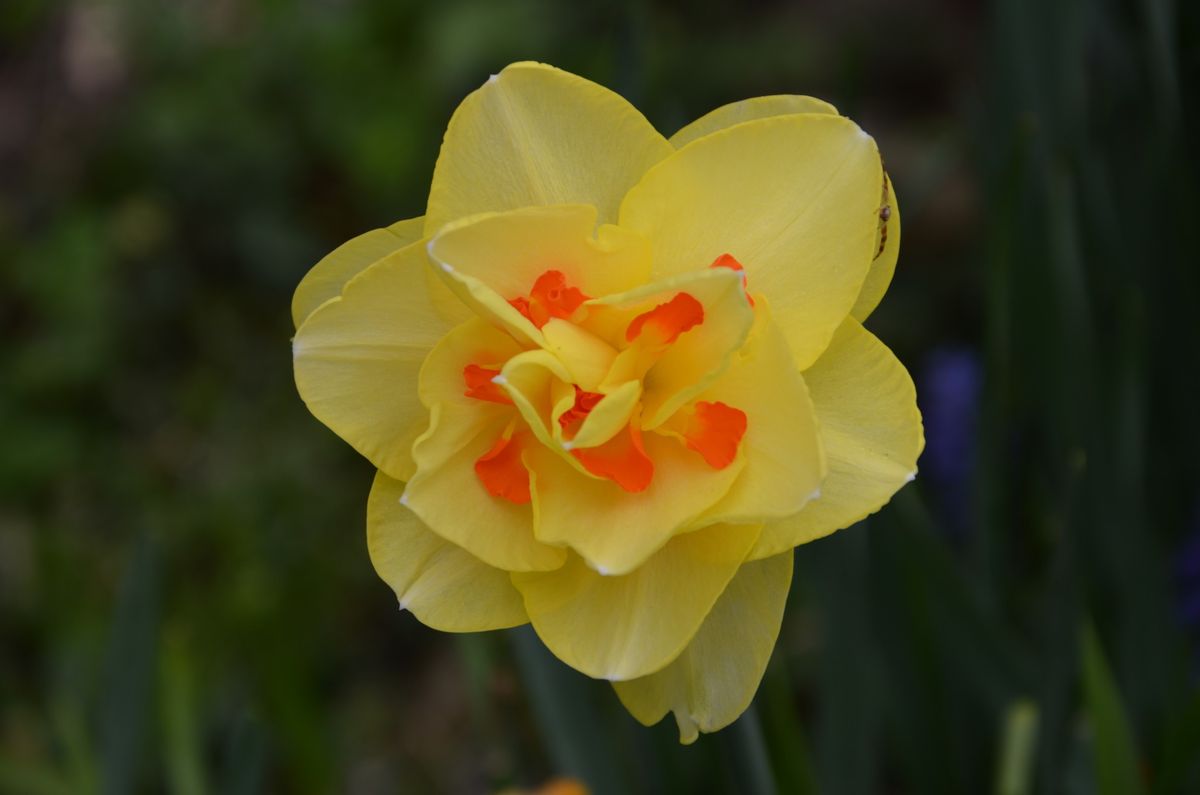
x: 185, y: 600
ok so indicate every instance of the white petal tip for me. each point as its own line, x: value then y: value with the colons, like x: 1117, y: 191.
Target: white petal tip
x: 603, y: 572
x: 500, y: 379
x: 445, y: 267
x: 493, y: 78
x: 816, y: 495
x: 404, y: 499
x: 570, y: 446
x: 403, y: 606
x: 911, y: 476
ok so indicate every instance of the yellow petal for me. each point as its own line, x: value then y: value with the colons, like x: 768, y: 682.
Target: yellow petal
x: 610, y: 415
x: 508, y: 251
x: 535, y: 135
x: 884, y: 264
x: 587, y: 357
x: 713, y: 681
x: 477, y: 342
x: 486, y: 303
x: 443, y: 585
x: 615, y: 530
x: 700, y: 354
x: 449, y: 498
x: 794, y: 199
x: 530, y: 380
x: 871, y: 431
x: 326, y: 278
x: 357, y: 356
x: 749, y: 110
x: 784, y: 461
x: 445, y: 491
x: 625, y: 627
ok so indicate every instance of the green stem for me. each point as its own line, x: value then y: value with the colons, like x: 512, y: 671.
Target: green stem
x: 571, y: 725
x: 748, y: 753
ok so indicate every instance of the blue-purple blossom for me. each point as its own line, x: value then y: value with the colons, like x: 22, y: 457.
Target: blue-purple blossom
x: 950, y: 383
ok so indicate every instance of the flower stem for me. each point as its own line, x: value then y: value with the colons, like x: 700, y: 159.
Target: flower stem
x: 571, y: 725
x: 747, y: 752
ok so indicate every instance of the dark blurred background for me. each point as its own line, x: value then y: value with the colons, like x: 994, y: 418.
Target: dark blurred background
x: 186, y: 604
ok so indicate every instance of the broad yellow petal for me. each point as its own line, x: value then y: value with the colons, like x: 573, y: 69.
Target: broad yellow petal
x: 713, y: 681
x: 624, y: 627
x: 884, y: 265
x: 508, y: 251
x: 616, y: 530
x: 326, y: 279
x: 535, y: 135
x: 749, y: 110
x: 699, y: 355
x: 357, y: 356
x: 795, y: 199
x: 445, y: 491
x: 871, y: 431
x: 444, y: 586
x: 784, y: 461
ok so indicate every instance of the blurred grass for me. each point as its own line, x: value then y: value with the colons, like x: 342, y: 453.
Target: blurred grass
x: 185, y: 600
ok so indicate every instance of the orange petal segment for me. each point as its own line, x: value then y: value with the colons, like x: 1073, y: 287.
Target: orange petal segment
x: 729, y: 261
x: 714, y: 431
x: 622, y: 459
x: 552, y: 291
x: 573, y: 417
x: 522, y: 305
x: 502, y: 472
x: 663, y: 324
x: 481, y: 386
x: 551, y: 296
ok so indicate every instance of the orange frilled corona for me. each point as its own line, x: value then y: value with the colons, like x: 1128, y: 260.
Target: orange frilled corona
x: 611, y: 379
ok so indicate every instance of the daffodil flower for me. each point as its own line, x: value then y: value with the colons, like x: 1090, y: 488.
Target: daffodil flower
x: 611, y: 379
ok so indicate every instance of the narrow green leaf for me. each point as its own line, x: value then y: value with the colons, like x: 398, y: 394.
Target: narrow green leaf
x: 1014, y: 774
x: 791, y: 757
x: 129, y: 672
x: 1116, y: 758
x: 181, y: 732
x: 849, y: 733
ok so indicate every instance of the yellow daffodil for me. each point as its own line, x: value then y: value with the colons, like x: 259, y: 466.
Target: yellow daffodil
x: 611, y: 379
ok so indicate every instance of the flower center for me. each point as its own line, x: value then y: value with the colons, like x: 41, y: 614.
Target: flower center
x: 607, y: 353
x: 572, y: 418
